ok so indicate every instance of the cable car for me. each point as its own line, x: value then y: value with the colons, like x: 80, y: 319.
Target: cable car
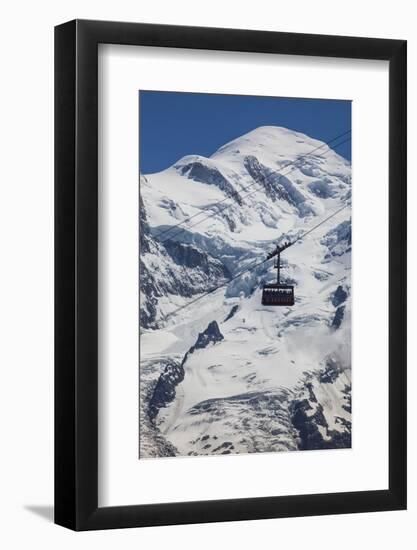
x: 277, y: 294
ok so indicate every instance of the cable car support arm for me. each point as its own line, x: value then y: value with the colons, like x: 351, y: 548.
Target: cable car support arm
x: 277, y: 252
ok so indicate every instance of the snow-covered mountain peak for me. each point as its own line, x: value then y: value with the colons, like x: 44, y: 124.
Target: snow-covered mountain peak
x: 267, y: 178
x: 268, y: 137
x: 274, y: 144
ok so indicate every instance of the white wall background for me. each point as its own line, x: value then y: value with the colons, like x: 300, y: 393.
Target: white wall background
x: 26, y: 273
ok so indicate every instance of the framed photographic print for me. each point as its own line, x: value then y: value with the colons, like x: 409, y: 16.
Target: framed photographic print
x: 230, y: 275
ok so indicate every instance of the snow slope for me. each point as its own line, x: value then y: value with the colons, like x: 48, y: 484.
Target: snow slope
x: 224, y: 374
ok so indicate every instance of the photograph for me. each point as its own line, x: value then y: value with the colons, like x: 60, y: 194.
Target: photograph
x: 244, y: 274
x: 206, y: 256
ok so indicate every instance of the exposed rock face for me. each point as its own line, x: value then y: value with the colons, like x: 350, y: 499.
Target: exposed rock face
x: 198, y: 171
x: 173, y: 372
x: 338, y: 240
x: 277, y: 186
x: 263, y: 176
x: 144, y: 233
x: 172, y: 268
x: 211, y: 335
x: 309, y: 421
x: 164, y: 391
x: 322, y: 188
x: 191, y: 257
x: 338, y: 317
x: 231, y: 313
x: 153, y: 443
x: 149, y: 297
x: 308, y: 414
x: 330, y: 373
x: 339, y: 296
x: 149, y: 294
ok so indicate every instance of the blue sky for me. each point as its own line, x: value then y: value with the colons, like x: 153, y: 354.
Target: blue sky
x: 175, y: 124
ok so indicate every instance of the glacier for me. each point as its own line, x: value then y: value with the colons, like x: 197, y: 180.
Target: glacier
x: 220, y: 373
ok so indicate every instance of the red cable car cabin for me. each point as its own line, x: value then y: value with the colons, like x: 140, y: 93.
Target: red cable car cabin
x: 276, y: 294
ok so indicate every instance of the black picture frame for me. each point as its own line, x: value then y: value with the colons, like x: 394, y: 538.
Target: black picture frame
x: 76, y: 272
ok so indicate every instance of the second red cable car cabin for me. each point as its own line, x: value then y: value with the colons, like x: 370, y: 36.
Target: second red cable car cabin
x: 277, y: 294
